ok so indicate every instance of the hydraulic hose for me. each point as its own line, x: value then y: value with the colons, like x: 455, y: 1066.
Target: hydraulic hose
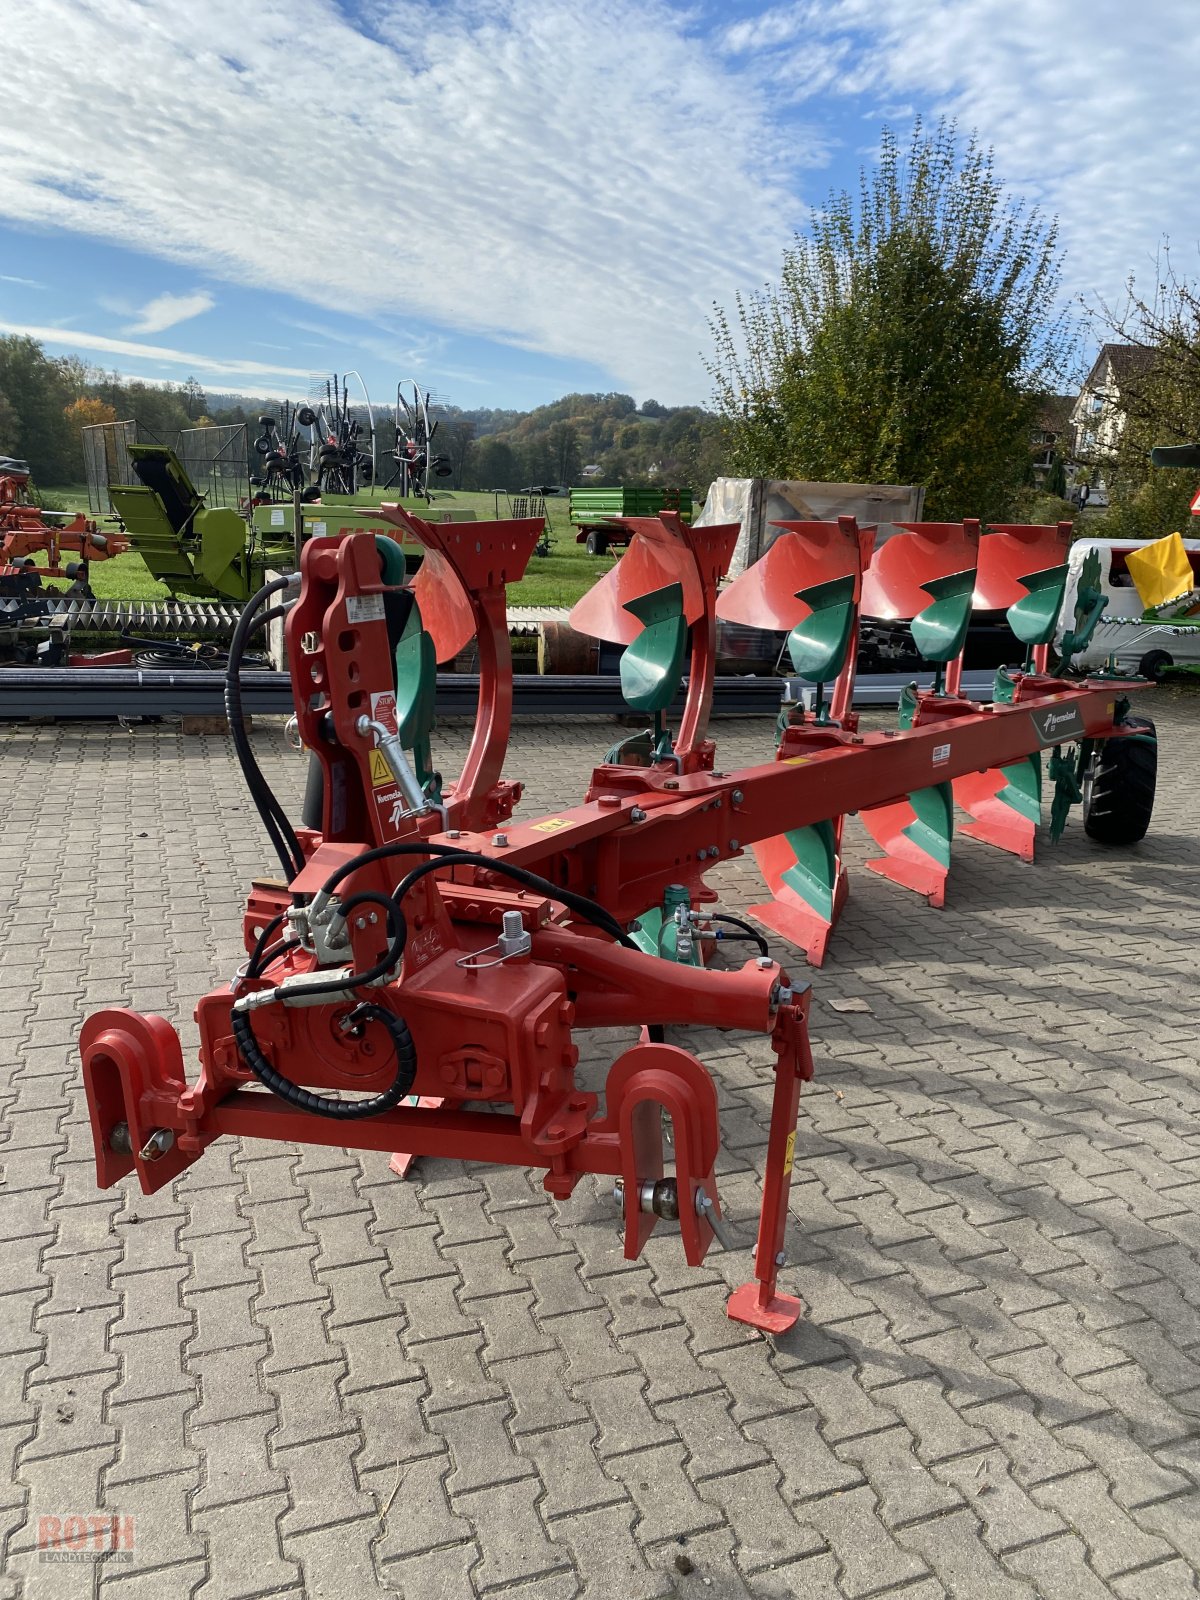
x: 274, y: 819
x: 319, y: 1104
x: 747, y: 932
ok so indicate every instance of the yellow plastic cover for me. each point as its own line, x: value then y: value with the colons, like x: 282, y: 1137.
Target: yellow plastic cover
x: 1161, y: 571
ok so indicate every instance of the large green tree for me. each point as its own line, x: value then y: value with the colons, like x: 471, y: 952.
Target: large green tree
x: 37, y: 392
x: 912, y: 330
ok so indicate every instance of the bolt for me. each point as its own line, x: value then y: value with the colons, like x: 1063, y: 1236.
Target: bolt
x: 499, y: 840
x: 736, y: 797
x: 735, y: 844
x: 453, y: 833
x: 671, y: 783
x: 118, y: 1140
x: 373, y: 918
x: 360, y: 922
x: 764, y: 963
x: 714, y: 851
x: 781, y: 1260
x: 637, y: 815
x: 159, y: 1142
x: 701, y: 855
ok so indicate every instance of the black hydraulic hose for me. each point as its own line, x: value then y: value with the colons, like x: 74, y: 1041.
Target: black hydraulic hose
x: 322, y: 1105
x: 274, y: 820
x: 747, y: 932
x: 397, y: 1030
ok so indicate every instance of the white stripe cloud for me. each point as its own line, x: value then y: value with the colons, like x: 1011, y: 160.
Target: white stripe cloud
x: 168, y: 310
x: 213, y: 366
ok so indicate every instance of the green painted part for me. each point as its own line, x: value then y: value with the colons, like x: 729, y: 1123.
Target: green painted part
x: 416, y: 693
x: 1034, y: 617
x: 818, y: 645
x: 645, y: 934
x: 907, y: 706
x: 1065, y: 772
x: 1090, y: 603
x: 391, y: 560
x: 675, y: 895
x: 933, y: 828
x: 941, y: 629
x: 1023, y: 791
x: 1004, y: 689
x: 812, y: 877
x: 223, y: 562
x: 652, y: 664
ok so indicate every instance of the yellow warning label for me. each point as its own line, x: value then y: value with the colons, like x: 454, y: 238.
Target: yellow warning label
x: 789, y: 1152
x: 795, y: 761
x: 551, y: 825
x: 381, y: 773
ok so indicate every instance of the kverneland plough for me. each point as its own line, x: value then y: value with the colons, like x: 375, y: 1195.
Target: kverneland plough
x: 416, y: 980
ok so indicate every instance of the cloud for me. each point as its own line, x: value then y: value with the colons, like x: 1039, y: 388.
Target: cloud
x: 578, y: 181
x: 214, y: 366
x: 1087, y: 110
x: 165, y: 310
x: 26, y: 283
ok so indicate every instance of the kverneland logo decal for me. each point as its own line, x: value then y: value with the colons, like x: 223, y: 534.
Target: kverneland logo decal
x: 1056, y: 723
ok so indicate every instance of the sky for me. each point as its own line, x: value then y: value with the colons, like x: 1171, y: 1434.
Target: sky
x: 508, y: 200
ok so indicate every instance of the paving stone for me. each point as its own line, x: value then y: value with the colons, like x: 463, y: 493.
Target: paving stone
x: 243, y: 1550
x: 1113, y: 1540
x: 481, y: 1447
x: 607, y: 1555
x: 668, y: 1504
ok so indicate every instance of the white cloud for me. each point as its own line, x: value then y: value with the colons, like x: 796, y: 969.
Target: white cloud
x: 25, y: 283
x: 1087, y: 107
x: 579, y: 181
x: 166, y: 310
x: 212, y: 366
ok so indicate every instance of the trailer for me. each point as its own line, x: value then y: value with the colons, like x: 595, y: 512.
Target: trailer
x: 592, y: 513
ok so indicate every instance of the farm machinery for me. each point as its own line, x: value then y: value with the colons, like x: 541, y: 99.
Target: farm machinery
x: 417, y: 975
x: 26, y: 531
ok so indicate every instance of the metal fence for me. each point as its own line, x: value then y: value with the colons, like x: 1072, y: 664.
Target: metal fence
x: 216, y: 459
x: 106, y: 461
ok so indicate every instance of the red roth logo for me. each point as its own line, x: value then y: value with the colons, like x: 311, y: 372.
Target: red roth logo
x: 81, y: 1536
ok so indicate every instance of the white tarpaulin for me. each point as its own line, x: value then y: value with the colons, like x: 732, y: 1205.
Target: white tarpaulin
x: 758, y: 502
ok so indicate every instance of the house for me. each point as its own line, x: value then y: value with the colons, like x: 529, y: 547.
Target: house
x: 1052, y: 433
x: 1097, y: 416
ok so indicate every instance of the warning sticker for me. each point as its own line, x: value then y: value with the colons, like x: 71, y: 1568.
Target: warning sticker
x: 364, y: 607
x: 551, y: 825
x: 789, y: 1152
x: 383, y: 704
x: 381, y: 773
x: 795, y: 761
x: 277, y: 519
x: 941, y: 754
x: 318, y: 530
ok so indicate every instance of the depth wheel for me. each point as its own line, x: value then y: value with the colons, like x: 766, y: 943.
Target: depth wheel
x: 1118, y: 798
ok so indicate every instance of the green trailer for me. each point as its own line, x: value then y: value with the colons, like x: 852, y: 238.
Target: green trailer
x: 591, y: 511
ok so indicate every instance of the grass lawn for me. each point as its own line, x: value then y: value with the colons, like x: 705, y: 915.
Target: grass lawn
x: 554, y: 580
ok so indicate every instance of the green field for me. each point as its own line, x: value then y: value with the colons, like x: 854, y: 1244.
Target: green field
x: 554, y: 580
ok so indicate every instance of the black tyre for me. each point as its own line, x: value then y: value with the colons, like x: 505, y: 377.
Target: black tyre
x: 596, y: 544
x: 1154, y: 665
x: 1118, y: 790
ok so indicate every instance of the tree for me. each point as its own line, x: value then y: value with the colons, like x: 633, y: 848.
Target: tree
x: 1159, y: 401
x: 88, y: 412
x: 908, y: 339
x: 37, y: 394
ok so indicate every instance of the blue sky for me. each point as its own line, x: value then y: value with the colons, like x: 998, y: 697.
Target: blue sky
x: 510, y: 199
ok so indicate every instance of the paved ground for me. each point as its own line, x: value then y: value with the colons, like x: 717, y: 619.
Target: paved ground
x: 302, y: 1377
